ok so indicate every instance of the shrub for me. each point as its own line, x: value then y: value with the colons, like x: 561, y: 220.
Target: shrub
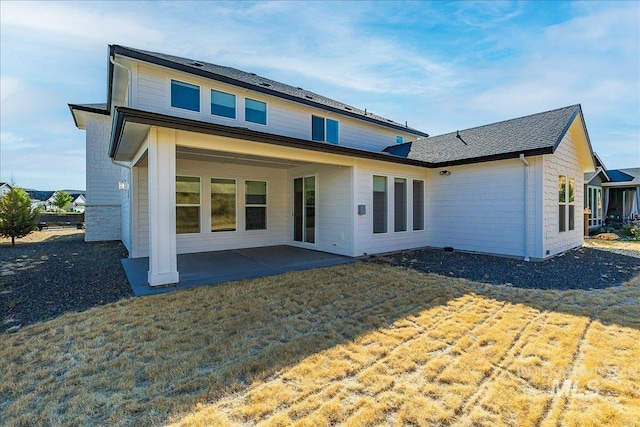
x: 17, y: 219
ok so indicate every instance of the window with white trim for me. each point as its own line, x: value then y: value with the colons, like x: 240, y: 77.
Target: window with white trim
x: 255, y: 205
x: 566, y: 203
x: 594, y: 203
x: 399, y: 204
x: 223, y: 204
x: 223, y: 104
x: 185, y: 95
x: 323, y: 129
x: 187, y: 204
x: 379, y: 204
x: 255, y: 111
x: 418, y: 205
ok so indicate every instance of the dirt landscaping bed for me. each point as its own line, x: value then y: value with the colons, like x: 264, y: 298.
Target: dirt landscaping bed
x: 49, y: 273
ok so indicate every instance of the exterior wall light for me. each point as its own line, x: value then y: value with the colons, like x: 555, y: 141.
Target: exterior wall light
x: 445, y: 173
x: 123, y: 185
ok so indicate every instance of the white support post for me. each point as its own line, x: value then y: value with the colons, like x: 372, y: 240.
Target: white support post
x: 163, y: 258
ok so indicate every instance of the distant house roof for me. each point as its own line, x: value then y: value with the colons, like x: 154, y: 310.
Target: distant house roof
x: 5, y: 183
x: 247, y: 80
x: 41, y: 196
x: 531, y: 135
x: 631, y: 175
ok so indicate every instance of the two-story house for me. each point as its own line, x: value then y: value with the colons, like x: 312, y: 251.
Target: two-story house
x: 188, y: 156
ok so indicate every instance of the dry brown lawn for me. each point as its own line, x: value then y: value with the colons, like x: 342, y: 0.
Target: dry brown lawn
x: 41, y: 236
x: 357, y: 345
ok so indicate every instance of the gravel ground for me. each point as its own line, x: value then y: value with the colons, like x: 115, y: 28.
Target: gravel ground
x: 583, y: 268
x: 42, y: 280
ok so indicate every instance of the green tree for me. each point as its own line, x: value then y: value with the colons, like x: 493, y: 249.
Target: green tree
x: 62, y: 200
x: 17, y: 219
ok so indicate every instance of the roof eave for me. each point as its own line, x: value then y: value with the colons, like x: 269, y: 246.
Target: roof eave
x: 494, y: 157
x: 120, y: 50
x: 123, y: 115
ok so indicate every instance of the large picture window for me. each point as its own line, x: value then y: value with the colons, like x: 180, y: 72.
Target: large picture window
x: 418, y: 205
x: 379, y: 204
x: 566, y: 203
x: 185, y: 95
x: 223, y: 104
x: 400, y: 204
x: 255, y: 205
x: 255, y: 111
x: 187, y: 204
x: 223, y: 204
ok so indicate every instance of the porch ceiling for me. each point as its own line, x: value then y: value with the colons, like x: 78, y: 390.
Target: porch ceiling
x: 187, y: 153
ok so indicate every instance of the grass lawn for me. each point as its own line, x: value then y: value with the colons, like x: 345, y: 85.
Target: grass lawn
x: 356, y: 344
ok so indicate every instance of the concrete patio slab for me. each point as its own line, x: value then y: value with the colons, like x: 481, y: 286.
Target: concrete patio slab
x: 209, y: 268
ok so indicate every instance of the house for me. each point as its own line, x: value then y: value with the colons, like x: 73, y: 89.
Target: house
x: 615, y: 192
x: 5, y: 187
x: 187, y: 156
x: 41, y: 199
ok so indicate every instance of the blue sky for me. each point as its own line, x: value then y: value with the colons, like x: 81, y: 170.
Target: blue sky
x: 440, y: 66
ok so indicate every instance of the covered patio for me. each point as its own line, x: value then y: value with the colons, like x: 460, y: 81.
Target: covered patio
x: 209, y: 268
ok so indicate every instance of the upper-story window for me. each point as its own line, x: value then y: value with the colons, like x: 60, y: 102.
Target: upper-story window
x: 399, y: 139
x: 324, y: 129
x: 223, y: 104
x: 255, y: 111
x: 185, y: 95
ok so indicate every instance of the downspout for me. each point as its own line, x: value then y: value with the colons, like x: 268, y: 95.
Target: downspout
x: 526, y: 207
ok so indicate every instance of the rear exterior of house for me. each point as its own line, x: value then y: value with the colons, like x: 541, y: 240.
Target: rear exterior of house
x: 190, y: 157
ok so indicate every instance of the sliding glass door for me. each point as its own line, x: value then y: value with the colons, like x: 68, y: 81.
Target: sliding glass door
x: 304, y: 209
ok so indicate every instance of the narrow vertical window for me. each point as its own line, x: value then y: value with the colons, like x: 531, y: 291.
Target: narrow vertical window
x: 223, y: 104
x: 332, y: 131
x: 185, y: 95
x: 418, y: 205
x: 255, y: 111
x: 379, y: 204
x: 562, y: 203
x: 571, y: 203
x: 317, y: 128
x: 255, y: 205
x: 187, y: 204
x: 400, y: 204
x: 223, y: 204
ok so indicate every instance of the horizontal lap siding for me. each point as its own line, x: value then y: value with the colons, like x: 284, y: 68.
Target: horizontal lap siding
x: 287, y: 118
x: 334, y: 207
x: 366, y: 241
x: 277, y: 208
x: 142, y: 229
x: 481, y: 208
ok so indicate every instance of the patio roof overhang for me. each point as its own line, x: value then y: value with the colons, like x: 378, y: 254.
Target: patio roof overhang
x: 130, y: 127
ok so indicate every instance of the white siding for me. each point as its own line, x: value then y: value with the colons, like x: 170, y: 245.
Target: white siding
x: 141, y: 228
x: 334, y: 207
x: 102, y: 212
x: 126, y: 209
x: 481, y: 207
x: 151, y: 89
x: 563, y: 162
x: 369, y: 243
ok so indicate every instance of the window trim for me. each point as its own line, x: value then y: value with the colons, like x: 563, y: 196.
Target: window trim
x: 422, y: 205
x: 199, y: 205
x: 235, y: 183
x: 406, y: 205
x: 266, y: 111
x: 199, y: 111
x: 256, y: 205
x: 325, y: 130
x: 235, y: 104
x: 569, y: 222
x: 386, y: 206
x: 595, y: 217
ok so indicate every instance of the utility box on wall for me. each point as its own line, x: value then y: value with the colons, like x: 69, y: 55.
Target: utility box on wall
x: 362, y: 209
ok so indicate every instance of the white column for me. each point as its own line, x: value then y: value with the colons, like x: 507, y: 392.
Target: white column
x: 163, y: 258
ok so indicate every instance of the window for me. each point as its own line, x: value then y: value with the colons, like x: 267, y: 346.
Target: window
x: 324, y: 129
x: 399, y: 140
x: 255, y: 111
x: 594, y: 203
x: 400, y: 204
x: 418, y: 205
x: 255, y: 205
x: 223, y: 204
x: 379, y: 204
x: 187, y: 204
x: 185, y: 96
x: 566, y: 203
x: 223, y: 104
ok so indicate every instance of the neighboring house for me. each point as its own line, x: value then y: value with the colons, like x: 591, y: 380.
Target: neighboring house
x: 5, y: 187
x: 188, y: 156
x: 41, y: 199
x: 79, y: 202
x: 612, y: 195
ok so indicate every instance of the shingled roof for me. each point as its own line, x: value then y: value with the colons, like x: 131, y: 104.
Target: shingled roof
x: 532, y: 135
x: 257, y: 83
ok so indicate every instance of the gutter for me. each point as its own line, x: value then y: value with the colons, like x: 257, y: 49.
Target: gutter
x: 526, y: 207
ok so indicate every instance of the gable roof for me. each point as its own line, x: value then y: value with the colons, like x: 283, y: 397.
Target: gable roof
x: 531, y: 135
x: 42, y: 196
x: 250, y: 81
